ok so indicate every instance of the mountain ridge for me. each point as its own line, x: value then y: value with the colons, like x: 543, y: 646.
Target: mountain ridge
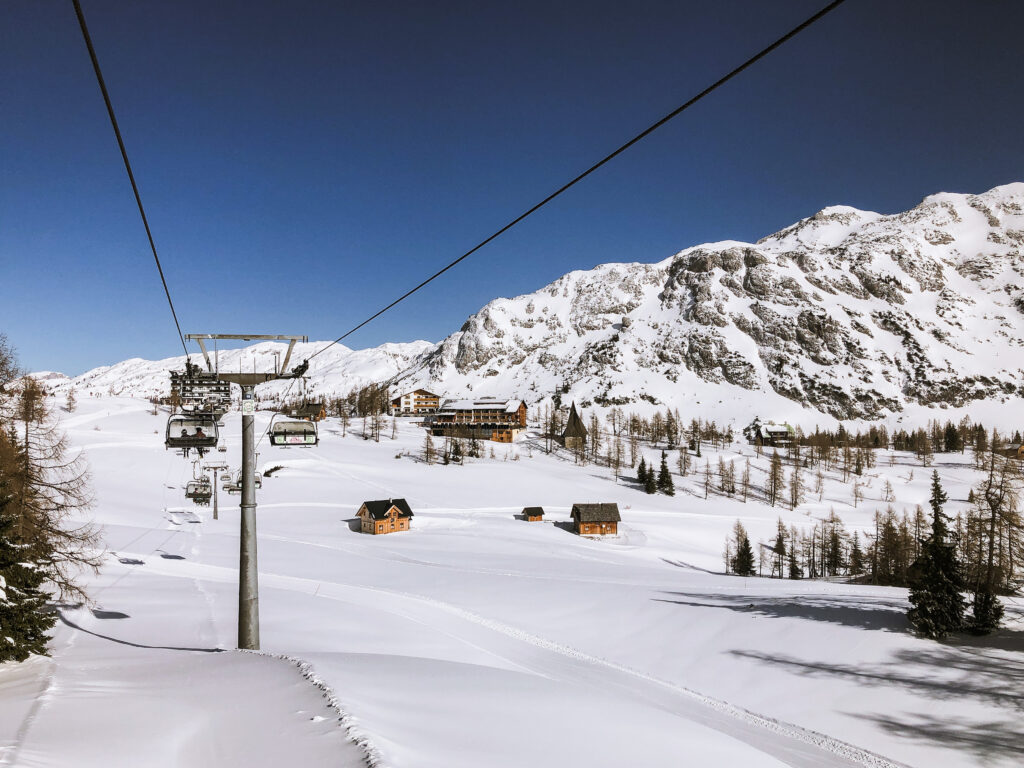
x: 842, y: 315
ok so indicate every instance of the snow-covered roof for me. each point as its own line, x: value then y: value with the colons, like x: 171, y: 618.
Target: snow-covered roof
x: 420, y: 391
x: 487, y: 404
x: 774, y: 429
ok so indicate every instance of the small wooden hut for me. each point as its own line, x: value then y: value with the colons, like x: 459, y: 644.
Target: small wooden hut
x: 385, y: 516
x: 596, y: 519
x: 533, y: 514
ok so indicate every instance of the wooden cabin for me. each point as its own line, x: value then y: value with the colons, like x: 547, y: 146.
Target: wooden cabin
x: 418, y: 401
x: 596, y: 519
x: 385, y: 516
x: 486, y: 419
x: 533, y: 514
x: 574, y: 437
x: 311, y: 412
x: 1013, y: 451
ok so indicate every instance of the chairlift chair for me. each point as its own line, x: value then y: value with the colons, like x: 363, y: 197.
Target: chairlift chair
x: 286, y: 433
x: 235, y: 485
x: 199, y: 491
x: 192, y: 430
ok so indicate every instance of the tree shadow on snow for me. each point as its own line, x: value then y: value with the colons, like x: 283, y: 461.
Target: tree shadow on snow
x: 887, y: 615
x: 945, y: 673
x: 988, y: 739
x: 992, y: 679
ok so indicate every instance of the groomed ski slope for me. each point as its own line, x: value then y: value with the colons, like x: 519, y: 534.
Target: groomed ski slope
x: 480, y: 639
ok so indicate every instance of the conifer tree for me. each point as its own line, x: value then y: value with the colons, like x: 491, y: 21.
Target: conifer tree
x: 779, y: 550
x: 641, y: 473
x: 650, y: 481
x: 665, y: 484
x: 936, y: 599
x: 856, y: 556
x: 776, y: 478
x: 743, y: 561
x: 795, y: 571
x: 24, y: 620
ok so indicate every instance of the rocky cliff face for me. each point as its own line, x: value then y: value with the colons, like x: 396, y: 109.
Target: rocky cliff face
x: 853, y: 314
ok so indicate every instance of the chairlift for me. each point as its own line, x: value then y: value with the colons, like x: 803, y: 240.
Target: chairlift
x: 192, y: 430
x: 199, y: 491
x: 285, y: 433
x: 235, y: 485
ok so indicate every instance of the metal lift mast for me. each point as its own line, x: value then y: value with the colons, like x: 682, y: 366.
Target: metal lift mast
x: 248, y: 575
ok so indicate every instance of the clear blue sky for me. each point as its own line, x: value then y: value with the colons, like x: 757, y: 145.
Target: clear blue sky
x: 304, y: 162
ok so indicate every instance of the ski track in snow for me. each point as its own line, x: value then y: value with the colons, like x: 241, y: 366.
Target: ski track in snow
x: 719, y: 715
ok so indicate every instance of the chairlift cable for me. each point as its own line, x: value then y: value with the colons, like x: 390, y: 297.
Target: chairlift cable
x: 643, y: 134
x: 127, y: 165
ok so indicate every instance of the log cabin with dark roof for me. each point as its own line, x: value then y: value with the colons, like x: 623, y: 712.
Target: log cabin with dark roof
x: 533, y: 514
x: 385, y: 516
x: 596, y: 519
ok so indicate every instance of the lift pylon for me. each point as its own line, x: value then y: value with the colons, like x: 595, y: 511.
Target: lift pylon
x: 248, y: 574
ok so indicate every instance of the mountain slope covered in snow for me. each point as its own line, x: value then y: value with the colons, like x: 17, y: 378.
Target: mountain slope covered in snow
x: 337, y: 371
x: 846, y: 314
x: 851, y: 314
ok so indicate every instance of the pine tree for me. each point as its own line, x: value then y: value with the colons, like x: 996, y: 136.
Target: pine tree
x: 779, y: 550
x: 743, y: 561
x: 650, y: 481
x: 935, y: 596
x: 856, y: 556
x: 24, y: 620
x: 641, y: 473
x: 795, y: 571
x: 665, y: 484
x: 776, y: 478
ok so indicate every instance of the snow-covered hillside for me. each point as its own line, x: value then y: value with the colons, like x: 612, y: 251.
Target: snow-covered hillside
x: 480, y: 639
x: 846, y: 314
x: 337, y: 371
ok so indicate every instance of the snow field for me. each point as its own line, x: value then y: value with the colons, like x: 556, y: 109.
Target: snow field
x: 480, y: 639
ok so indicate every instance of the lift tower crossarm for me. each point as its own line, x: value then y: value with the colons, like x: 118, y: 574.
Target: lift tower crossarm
x: 202, y: 337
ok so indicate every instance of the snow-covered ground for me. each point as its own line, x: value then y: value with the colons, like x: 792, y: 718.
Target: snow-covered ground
x: 478, y: 639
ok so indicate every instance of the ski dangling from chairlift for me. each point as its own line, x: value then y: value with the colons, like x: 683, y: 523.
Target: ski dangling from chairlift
x: 187, y: 431
x: 288, y: 433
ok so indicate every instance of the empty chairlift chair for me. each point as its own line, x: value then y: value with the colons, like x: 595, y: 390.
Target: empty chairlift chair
x: 235, y: 486
x: 192, y: 430
x: 285, y: 433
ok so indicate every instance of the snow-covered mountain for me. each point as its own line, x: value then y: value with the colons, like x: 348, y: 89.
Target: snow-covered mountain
x: 847, y: 313
x: 337, y: 371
